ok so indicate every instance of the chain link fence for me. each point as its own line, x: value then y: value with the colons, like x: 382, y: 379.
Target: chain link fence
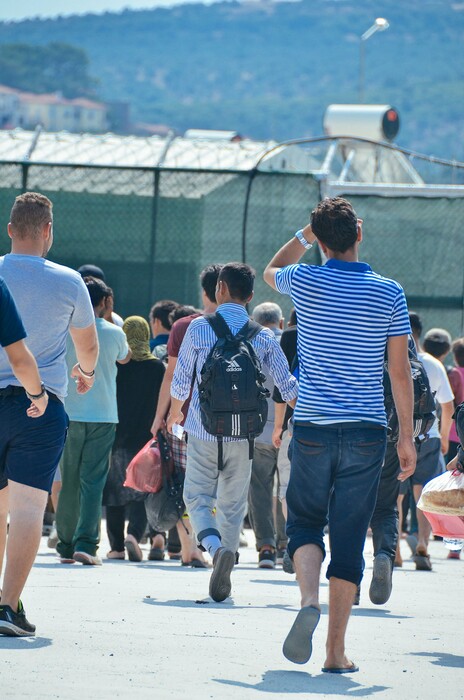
x: 152, y: 230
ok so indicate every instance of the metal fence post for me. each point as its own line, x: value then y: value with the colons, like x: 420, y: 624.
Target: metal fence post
x: 154, y: 226
x: 251, y: 177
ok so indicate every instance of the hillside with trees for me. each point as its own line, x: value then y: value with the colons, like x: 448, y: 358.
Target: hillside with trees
x: 268, y: 70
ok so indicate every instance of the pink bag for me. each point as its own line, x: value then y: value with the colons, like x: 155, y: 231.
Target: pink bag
x: 448, y: 526
x: 144, y: 471
x: 442, y: 501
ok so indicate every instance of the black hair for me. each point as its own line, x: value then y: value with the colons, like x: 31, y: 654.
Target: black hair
x: 335, y: 224
x: 208, y: 278
x: 180, y: 312
x: 239, y: 278
x: 416, y: 323
x: 96, y: 289
x: 162, y: 310
x: 292, y: 320
x: 458, y: 351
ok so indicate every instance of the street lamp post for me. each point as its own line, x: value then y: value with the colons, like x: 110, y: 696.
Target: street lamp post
x: 380, y: 25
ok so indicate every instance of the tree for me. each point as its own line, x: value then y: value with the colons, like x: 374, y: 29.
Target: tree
x: 56, y: 67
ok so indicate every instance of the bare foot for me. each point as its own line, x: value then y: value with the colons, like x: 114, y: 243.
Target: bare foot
x: 338, y: 662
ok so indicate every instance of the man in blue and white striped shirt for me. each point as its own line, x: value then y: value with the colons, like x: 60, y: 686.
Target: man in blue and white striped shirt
x: 207, y: 487
x: 347, y: 316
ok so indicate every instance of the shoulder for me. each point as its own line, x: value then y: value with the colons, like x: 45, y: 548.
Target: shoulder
x: 63, y: 272
x: 109, y: 329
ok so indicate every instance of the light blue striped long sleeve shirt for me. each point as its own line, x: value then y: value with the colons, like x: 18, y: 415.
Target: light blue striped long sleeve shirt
x: 195, y: 348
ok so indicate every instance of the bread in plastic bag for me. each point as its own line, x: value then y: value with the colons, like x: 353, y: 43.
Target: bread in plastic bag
x: 444, y: 495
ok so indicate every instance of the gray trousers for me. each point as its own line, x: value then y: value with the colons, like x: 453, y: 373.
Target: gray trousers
x: 260, y: 511
x: 206, y: 488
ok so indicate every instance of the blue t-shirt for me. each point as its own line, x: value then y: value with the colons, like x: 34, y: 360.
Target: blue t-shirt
x: 11, y: 326
x: 50, y: 299
x: 346, y: 312
x: 98, y: 405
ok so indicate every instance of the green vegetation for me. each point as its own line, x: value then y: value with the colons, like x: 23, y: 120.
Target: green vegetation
x: 269, y: 69
x: 52, y: 68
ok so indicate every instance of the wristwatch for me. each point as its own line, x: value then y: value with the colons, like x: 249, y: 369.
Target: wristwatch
x: 302, y: 239
x: 36, y: 397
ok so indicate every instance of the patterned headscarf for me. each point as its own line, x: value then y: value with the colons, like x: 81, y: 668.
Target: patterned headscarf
x: 137, y: 331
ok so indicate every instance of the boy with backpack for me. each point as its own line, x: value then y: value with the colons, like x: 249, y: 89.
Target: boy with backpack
x: 222, y: 355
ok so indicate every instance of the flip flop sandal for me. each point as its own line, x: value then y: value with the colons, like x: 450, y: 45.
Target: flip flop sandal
x: 133, y: 551
x: 298, y: 645
x: 422, y: 562
x: 350, y: 669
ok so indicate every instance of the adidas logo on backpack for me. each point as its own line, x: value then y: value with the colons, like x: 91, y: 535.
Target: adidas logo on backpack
x: 233, y: 366
x: 233, y: 398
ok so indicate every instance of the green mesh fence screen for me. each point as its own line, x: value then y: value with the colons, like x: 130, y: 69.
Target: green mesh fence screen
x: 153, y: 230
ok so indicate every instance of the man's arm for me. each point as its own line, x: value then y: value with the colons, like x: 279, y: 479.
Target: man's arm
x: 289, y: 254
x: 399, y: 370
x: 126, y: 359
x: 86, y: 344
x: 446, y: 420
x: 26, y: 371
x: 279, y: 416
x: 164, y: 398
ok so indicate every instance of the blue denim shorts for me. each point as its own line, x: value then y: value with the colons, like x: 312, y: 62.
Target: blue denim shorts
x: 334, y: 478
x: 30, y: 448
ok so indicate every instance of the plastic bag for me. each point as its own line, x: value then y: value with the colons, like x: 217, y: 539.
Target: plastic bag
x: 144, y: 471
x: 444, y: 495
x: 447, y: 526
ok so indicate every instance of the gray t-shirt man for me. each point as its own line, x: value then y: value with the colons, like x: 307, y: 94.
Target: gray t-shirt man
x: 51, y: 298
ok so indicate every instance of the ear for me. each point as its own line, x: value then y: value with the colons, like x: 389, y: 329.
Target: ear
x: 10, y: 231
x: 281, y: 324
x: 250, y: 298
x: 360, y: 234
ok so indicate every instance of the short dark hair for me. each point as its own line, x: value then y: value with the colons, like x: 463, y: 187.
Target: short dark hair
x: 292, y: 320
x: 97, y: 290
x: 437, y: 342
x: 30, y: 213
x: 458, y: 351
x: 239, y: 278
x: 161, y: 310
x: 416, y: 323
x: 208, y: 279
x: 180, y: 312
x: 335, y: 224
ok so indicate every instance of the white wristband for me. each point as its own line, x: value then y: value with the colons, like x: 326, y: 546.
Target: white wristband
x: 302, y: 239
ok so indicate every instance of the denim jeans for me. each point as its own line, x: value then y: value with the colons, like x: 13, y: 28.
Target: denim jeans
x: 334, y: 479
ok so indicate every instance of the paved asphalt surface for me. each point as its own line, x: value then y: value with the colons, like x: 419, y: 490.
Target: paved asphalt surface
x: 149, y: 630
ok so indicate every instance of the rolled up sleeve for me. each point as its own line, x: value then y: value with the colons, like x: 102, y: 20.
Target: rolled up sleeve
x: 185, y: 368
x: 277, y: 364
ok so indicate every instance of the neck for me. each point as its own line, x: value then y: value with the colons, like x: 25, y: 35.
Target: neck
x: 229, y: 300
x: 209, y: 307
x: 351, y: 255
x: 27, y: 247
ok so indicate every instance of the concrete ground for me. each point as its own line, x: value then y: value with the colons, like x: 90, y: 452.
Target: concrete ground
x: 149, y: 630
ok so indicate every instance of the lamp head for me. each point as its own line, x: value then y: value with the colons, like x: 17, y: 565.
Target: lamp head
x: 381, y: 23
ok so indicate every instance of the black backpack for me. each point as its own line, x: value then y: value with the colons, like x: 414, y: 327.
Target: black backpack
x: 233, y: 398
x: 424, y: 401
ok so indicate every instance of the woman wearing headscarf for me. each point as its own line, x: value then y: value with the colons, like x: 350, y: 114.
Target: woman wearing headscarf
x: 138, y: 384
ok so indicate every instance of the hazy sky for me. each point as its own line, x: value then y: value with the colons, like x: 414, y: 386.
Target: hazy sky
x: 50, y: 8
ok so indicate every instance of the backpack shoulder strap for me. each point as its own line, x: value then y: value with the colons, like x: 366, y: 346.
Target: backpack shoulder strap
x: 218, y: 324
x: 249, y: 331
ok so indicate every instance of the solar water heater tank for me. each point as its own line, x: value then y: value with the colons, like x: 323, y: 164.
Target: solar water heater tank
x: 375, y: 122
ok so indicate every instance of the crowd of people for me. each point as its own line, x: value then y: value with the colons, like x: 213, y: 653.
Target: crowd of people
x: 304, y: 450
